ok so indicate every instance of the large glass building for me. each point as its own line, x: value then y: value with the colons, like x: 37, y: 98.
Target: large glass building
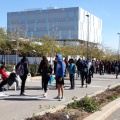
x: 64, y: 24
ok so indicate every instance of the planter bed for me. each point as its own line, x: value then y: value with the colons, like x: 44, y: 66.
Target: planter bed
x: 81, y: 109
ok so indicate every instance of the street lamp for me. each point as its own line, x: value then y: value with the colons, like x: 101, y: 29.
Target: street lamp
x: 35, y: 59
x: 35, y: 54
x: 87, y: 34
x: 119, y: 46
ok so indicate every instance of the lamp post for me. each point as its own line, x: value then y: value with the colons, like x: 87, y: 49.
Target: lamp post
x: 119, y: 46
x: 87, y: 34
x: 35, y: 59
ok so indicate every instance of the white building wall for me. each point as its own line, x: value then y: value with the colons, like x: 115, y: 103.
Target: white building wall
x: 62, y: 23
x: 95, y: 27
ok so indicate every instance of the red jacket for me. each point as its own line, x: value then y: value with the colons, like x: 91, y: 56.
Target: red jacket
x: 4, y: 75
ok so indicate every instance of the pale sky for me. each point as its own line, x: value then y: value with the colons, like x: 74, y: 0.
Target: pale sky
x: 107, y: 10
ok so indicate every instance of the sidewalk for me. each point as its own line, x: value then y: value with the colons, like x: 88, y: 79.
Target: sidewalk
x: 115, y: 115
x: 36, y: 78
x: 19, y: 107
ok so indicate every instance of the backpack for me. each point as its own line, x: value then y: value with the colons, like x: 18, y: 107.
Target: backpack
x: 20, y: 69
x: 74, y: 69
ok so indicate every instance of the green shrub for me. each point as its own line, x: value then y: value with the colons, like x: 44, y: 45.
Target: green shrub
x: 33, y: 69
x: 87, y: 104
x: 9, y: 68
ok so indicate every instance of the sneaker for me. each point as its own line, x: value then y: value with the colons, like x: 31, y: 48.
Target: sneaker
x: 81, y: 86
x: 62, y: 99
x: 4, y: 89
x: 86, y: 85
x: 22, y: 94
x: 58, y: 97
x: 45, y: 94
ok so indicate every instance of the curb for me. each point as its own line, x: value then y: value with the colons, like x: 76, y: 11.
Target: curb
x: 106, y: 111
x: 59, y: 107
x: 99, y: 115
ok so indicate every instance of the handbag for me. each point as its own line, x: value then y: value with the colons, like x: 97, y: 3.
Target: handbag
x: 51, y: 80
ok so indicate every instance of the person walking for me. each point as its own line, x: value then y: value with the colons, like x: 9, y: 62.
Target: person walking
x: 39, y: 71
x: 84, y: 73
x: 23, y: 67
x: 78, y: 63
x: 45, y: 70
x: 117, y: 69
x: 71, y: 70
x: 60, y: 71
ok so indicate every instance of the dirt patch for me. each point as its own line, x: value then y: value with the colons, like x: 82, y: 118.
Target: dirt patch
x: 79, y: 114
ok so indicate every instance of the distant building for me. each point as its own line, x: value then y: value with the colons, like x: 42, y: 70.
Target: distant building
x: 64, y: 24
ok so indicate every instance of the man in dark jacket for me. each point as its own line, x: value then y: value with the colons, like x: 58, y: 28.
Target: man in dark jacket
x: 78, y: 64
x: 84, y: 73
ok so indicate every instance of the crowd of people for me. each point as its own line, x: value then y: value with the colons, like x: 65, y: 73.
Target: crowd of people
x: 73, y: 69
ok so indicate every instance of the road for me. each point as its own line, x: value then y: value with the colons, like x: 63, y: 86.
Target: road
x: 15, y: 107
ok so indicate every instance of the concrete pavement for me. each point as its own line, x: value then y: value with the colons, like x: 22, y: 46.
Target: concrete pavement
x: 15, y: 107
x: 115, y: 115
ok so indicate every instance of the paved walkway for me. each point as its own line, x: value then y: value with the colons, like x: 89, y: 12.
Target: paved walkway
x: 115, y: 115
x: 15, y: 107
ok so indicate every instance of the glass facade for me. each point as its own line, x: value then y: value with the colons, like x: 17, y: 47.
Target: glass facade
x: 62, y: 23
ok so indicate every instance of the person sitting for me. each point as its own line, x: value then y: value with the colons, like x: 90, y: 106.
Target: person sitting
x: 6, y: 78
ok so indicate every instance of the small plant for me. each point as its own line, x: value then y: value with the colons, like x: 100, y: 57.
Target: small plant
x: 113, y: 97
x: 46, y: 107
x: 87, y: 104
x: 33, y: 114
x: 108, y: 87
x: 53, y: 107
x: 9, y: 68
x: 41, y: 108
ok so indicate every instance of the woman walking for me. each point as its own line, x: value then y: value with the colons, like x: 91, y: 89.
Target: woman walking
x: 45, y: 70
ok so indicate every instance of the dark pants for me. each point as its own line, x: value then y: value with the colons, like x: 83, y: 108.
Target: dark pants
x: 97, y: 70
x: 23, y: 78
x: 56, y: 84
x: 90, y: 73
x: 42, y: 83
x: 45, y: 82
x: 4, y: 82
x: 72, y: 81
x: 83, y: 75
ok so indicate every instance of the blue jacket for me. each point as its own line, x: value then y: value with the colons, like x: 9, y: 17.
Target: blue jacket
x: 60, y: 69
x: 70, y: 68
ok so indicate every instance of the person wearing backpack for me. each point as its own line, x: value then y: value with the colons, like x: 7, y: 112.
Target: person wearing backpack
x: 22, y: 70
x: 71, y: 70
